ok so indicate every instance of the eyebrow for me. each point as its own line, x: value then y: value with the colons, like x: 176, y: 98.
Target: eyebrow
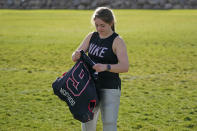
x: 100, y: 24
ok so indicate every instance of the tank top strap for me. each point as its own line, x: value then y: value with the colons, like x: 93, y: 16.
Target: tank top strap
x: 114, y: 35
x: 94, y: 35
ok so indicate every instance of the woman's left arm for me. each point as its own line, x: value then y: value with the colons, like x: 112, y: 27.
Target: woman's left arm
x: 120, y: 50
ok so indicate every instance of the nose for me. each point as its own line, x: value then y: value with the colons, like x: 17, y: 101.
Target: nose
x: 99, y: 28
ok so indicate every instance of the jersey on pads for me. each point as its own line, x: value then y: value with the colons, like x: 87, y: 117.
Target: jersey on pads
x: 77, y: 89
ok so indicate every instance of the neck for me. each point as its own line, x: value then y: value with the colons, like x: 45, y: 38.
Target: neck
x: 103, y: 36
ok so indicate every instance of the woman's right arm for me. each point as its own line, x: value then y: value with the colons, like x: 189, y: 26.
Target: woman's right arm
x: 83, y: 46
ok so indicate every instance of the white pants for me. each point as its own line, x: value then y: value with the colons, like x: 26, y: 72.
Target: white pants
x: 109, y: 106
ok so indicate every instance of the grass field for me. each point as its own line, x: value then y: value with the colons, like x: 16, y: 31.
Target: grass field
x: 159, y: 93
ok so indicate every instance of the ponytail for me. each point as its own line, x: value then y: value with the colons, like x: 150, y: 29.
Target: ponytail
x: 113, y: 27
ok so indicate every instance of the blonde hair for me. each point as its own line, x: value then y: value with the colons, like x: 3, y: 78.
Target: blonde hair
x: 106, y: 15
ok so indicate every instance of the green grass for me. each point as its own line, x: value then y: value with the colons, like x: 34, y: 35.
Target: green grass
x: 159, y: 93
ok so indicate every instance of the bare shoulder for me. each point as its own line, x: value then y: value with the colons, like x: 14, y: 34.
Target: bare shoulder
x: 89, y: 35
x: 118, y: 42
x: 85, y: 44
x: 87, y: 38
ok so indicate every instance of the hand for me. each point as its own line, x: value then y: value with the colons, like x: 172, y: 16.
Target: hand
x: 99, y: 67
x: 76, y: 55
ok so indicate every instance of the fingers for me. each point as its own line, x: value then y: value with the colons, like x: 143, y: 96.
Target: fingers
x: 76, y: 55
x: 94, y: 67
x: 99, y: 67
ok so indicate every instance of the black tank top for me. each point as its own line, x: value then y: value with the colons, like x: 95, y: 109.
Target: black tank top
x: 100, y: 51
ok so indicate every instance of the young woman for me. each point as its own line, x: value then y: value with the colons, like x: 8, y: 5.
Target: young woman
x: 108, y: 50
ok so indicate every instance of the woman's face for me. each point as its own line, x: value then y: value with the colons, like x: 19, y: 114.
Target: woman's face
x: 102, y: 28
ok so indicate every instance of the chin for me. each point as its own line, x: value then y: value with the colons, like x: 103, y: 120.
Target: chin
x: 101, y: 32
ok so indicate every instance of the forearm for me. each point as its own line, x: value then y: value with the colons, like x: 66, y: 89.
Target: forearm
x: 116, y: 68
x: 119, y: 68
